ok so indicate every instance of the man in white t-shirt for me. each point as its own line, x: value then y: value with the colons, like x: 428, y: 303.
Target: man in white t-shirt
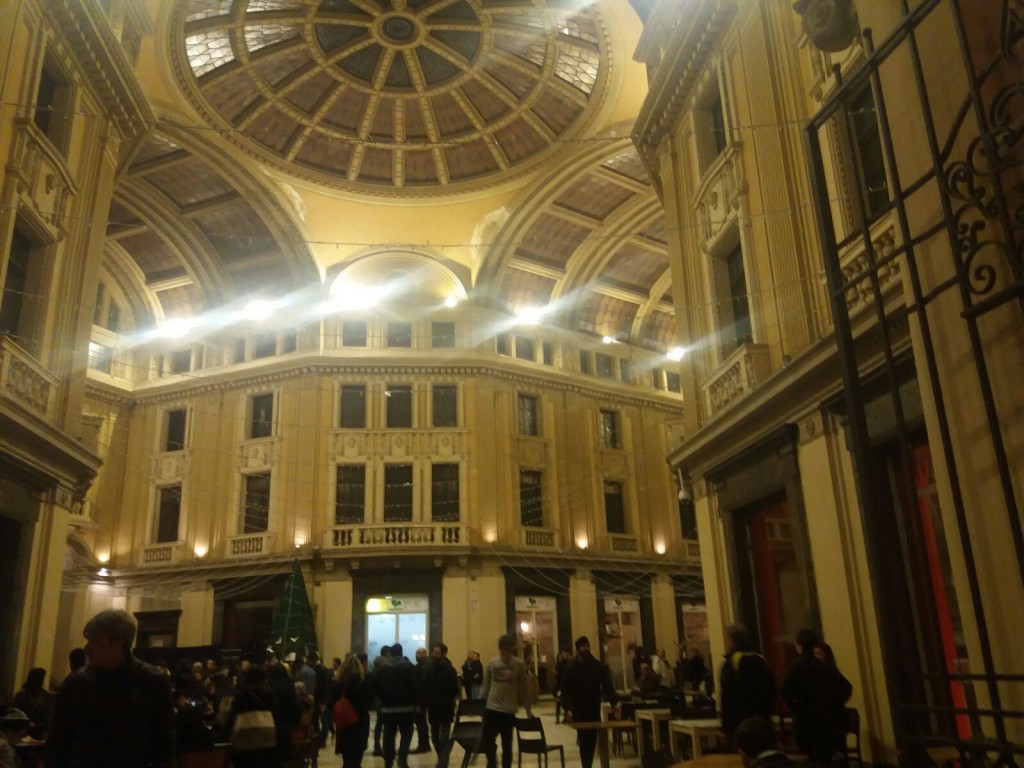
x: 504, y: 689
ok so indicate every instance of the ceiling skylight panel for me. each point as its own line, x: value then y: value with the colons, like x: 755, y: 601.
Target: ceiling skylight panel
x: 261, y: 35
x: 207, y: 9
x: 578, y: 68
x: 208, y: 50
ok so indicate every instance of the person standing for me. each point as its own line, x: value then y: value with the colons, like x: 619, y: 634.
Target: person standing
x: 380, y: 661
x: 116, y: 712
x: 35, y: 701
x: 747, y: 685
x: 353, y: 685
x: 585, y: 683
x: 816, y: 693
x: 422, y: 730
x: 564, y: 657
x: 441, y: 693
x: 399, y: 696
x: 505, y: 687
x: 472, y: 675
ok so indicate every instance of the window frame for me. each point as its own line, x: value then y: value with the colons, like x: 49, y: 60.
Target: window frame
x: 609, y: 429
x: 398, y: 499
x: 344, y: 500
x: 166, y: 437
x: 451, y: 409
x: 442, y: 337
x: 531, y: 490
x: 528, y: 418
x: 619, y: 524
x: 251, y: 421
x: 343, y: 408
x: 163, y: 497
x: 359, y: 332
x: 452, y: 497
x: 250, y: 497
x: 393, y: 406
x: 399, y: 334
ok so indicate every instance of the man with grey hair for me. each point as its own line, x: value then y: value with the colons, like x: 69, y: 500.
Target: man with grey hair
x: 116, y: 712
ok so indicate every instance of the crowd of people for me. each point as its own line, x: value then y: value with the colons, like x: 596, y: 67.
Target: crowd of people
x: 114, y: 710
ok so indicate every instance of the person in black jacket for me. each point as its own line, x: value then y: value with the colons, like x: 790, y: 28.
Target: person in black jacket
x: 441, y: 691
x: 472, y: 675
x: 117, y: 712
x: 585, y: 683
x: 353, y: 684
x: 747, y: 684
x: 399, y: 696
x: 816, y: 693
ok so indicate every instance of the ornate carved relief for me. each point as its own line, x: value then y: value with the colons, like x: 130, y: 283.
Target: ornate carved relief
x: 43, y: 184
x: 858, y: 262
x: 259, y: 454
x: 718, y: 200
x: 24, y: 380
x: 169, y: 468
x: 742, y: 371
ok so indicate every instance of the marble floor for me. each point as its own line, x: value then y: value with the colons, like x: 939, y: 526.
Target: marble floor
x: 556, y: 734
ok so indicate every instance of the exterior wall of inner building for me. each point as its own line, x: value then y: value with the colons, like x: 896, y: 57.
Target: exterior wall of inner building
x: 772, y: 80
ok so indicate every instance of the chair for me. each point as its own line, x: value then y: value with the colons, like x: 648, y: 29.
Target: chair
x: 468, y: 727
x: 852, y: 730
x: 531, y: 741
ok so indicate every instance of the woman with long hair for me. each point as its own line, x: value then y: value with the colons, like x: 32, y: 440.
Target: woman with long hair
x: 351, y: 684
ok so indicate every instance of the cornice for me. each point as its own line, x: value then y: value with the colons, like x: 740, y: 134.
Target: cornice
x: 200, y: 382
x: 85, y: 32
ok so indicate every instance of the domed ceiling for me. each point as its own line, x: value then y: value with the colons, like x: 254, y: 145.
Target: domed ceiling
x: 399, y: 97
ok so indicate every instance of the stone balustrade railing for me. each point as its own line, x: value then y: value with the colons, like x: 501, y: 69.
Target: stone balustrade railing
x: 24, y: 380
x: 742, y: 371
x: 397, y: 535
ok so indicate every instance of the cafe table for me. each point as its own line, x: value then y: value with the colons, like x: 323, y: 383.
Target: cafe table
x: 695, y: 729
x: 603, y: 728
x: 655, y: 717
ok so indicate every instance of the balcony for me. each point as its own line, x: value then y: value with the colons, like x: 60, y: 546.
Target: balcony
x: 162, y: 554
x: 397, y: 535
x: 250, y: 544
x: 25, y: 381
x: 622, y: 544
x: 538, y: 538
x: 742, y: 371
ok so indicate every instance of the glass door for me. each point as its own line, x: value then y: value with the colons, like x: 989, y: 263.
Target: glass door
x: 396, y: 619
x: 537, y: 638
x: 622, y: 632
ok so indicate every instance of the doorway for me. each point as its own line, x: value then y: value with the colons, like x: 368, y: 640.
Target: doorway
x: 394, y: 619
x: 537, y: 638
x: 622, y: 631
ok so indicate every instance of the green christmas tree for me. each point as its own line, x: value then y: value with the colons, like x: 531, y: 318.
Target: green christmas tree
x: 292, y: 629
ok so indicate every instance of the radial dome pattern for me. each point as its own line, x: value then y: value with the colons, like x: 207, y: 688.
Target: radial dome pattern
x: 399, y: 97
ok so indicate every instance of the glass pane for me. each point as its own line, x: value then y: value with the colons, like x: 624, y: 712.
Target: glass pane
x: 412, y: 632
x: 381, y: 630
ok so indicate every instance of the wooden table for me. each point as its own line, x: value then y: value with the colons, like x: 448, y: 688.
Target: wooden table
x: 603, y: 727
x: 695, y: 729
x: 714, y: 760
x: 655, y: 717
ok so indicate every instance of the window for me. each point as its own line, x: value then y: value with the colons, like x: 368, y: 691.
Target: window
x: 168, y: 514
x: 609, y: 429
x: 442, y: 335
x: 614, y: 513
x: 239, y: 351
x: 399, y: 334
x: 548, y: 352
x: 709, y: 126
x: 868, y: 154
x: 257, y: 503
x: 672, y: 382
x: 584, y: 361
x: 100, y: 357
x: 113, y: 317
x: 289, y: 342
x: 261, y: 420
x: 738, y: 297
x: 528, y: 415
x: 265, y: 346
x: 174, y: 429
x: 656, y: 378
x: 399, y: 400
x: 531, y: 502
x: 398, y: 493
x: 53, y: 113
x: 181, y: 361
x: 350, y: 495
x: 444, y: 493
x: 501, y: 343
x: 13, y: 319
x: 446, y: 405
x: 353, y: 334
x: 625, y: 371
x: 524, y: 348
x: 97, y: 312
x: 605, y: 365
x: 353, y: 406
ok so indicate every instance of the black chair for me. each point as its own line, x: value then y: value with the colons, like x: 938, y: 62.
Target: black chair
x: 531, y: 741
x: 852, y: 730
x: 468, y: 728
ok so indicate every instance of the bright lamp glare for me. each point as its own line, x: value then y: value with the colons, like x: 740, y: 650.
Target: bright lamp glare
x: 676, y: 354
x: 608, y: 339
x: 451, y: 301
x: 530, y: 315
x: 258, y: 309
x: 175, y: 328
x: 346, y: 295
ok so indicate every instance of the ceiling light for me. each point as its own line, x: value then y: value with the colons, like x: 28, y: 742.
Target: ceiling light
x: 676, y: 354
x: 530, y: 315
x: 608, y: 339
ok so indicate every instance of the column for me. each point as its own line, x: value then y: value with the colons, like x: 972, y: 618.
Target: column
x: 332, y: 606
x: 666, y: 620
x: 195, y: 625
x: 583, y: 606
x: 456, y: 613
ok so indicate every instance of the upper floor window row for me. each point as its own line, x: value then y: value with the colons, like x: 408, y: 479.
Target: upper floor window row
x: 398, y: 334
x: 399, y: 407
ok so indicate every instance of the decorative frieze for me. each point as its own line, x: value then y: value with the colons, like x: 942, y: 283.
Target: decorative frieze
x: 349, y: 445
x: 161, y: 554
x: 24, y: 380
x: 742, y: 371
x: 259, y: 454
x: 169, y: 468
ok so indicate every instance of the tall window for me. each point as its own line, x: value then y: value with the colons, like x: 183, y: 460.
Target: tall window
x: 442, y: 335
x: 168, y: 515
x: 737, y: 276
x: 672, y: 382
x: 446, y: 406
x: 524, y: 348
x: 531, y: 499
x: 444, y: 493
x: 501, y: 342
x: 15, y: 284
x: 399, y: 400
x: 261, y: 420
x: 656, y: 378
x: 528, y: 424
x: 265, y: 346
x: 181, y: 361
x: 353, y: 333
x: 548, y: 353
x: 353, y: 406
x: 614, y: 512
x: 350, y: 494
x: 113, y: 316
x: 868, y: 153
x: 101, y: 357
x: 605, y: 365
x: 625, y: 370
x: 399, y: 334
x: 398, y: 493
x: 584, y: 361
x: 53, y: 114
x: 709, y: 124
x: 257, y: 503
x: 609, y: 429
x: 174, y: 429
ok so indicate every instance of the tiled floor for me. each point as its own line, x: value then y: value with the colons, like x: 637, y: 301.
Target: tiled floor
x: 556, y: 734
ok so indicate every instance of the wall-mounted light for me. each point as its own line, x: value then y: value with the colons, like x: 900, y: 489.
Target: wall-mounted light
x: 676, y: 354
x: 451, y: 301
x: 660, y: 548
x: 582, y: 542
x: 103, y: 557
x: 608, y: 339
x: 200, y: 552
